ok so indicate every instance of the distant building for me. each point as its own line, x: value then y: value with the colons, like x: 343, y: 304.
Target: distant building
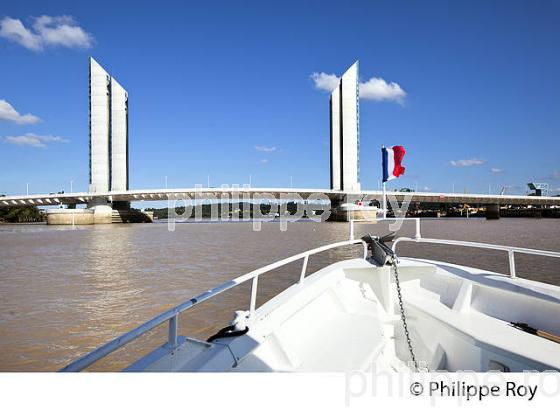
x: 108, y: 132
x: 345, y: 132
x: 539, y: 188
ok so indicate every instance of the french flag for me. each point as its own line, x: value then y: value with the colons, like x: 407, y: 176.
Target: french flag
x: 392, y: 159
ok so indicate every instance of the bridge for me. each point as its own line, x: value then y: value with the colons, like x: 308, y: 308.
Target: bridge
x: 110, y: 214
x: 335, y: 196
x: 109, y: 196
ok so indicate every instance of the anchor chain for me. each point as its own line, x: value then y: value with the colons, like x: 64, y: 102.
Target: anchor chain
x: 403, y: 316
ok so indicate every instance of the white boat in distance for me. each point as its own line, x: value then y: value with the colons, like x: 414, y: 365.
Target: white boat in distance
x: 375, y: 313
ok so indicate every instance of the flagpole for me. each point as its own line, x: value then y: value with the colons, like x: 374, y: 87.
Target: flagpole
x: 384, y: 193
x: 384, y: 202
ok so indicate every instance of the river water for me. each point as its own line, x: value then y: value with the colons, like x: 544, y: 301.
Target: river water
x: 65, y: 291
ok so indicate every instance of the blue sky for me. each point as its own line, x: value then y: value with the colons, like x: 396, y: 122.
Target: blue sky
x: 225, y: 89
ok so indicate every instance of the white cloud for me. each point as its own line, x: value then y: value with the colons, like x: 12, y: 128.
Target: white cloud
x: 376, y: 88
x: 263, y: 161
x: 14, y: 30
x: 47, y: 31
x: 62, y: 31
x: 467, y: 162
x: 32, y: 140
x: 262, y: 148
x: 9, y: 113
x: 324, y: 81
x: 496, y: 170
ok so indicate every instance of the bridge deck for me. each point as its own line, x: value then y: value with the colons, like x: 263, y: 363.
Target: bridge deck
x: 243, y: 193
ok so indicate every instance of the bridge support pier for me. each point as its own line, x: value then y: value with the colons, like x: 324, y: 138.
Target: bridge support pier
x: 102, y: 214
x: 100, y: 211
x: 493, y: 211
x: 69, y: 216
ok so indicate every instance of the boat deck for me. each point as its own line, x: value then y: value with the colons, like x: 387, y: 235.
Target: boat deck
x: 474, y: 308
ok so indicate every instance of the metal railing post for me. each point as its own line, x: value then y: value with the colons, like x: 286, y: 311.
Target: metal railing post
x: 418, y: 235
x: 303, y: 269
x: 172, y: 339
x: 253, y: 302
x: 511, y: 255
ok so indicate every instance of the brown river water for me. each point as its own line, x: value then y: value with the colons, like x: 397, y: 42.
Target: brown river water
x: 65, y: 291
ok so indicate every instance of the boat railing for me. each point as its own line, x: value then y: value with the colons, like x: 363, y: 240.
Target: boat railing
x: 511, y: 250
x: 172, y: 315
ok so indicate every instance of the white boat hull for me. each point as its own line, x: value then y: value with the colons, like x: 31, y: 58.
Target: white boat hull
x: 346, y: 317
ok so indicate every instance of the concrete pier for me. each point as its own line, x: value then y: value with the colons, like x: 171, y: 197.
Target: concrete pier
x: 102, y: 214
x: 63, y: 216
x: 131, y: 216
x: 99, y: 214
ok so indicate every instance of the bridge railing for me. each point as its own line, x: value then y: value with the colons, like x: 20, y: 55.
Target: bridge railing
x: 172, y: 315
